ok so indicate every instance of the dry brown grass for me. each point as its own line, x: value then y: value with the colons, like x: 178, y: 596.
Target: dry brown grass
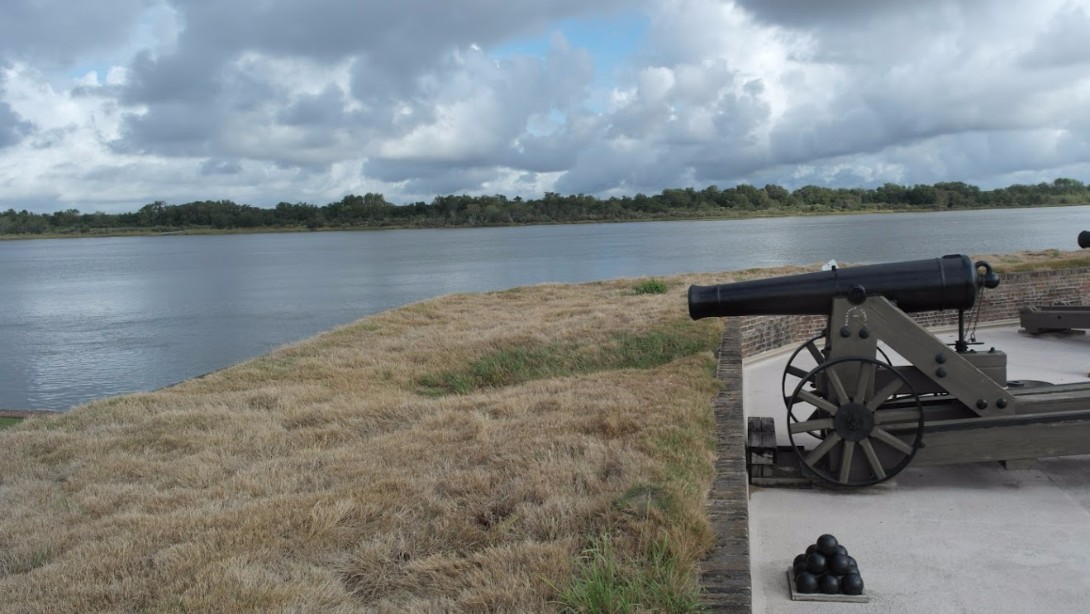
x: 1037, y: 260
x: 337, y: 475
x: 325, y: 477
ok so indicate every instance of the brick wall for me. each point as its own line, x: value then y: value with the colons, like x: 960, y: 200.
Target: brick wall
x: 1015, y: 291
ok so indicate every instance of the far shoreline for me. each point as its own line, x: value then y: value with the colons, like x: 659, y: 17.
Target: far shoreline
x: 763, y: 214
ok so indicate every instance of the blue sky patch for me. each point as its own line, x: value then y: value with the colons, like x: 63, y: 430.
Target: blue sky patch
x: 611, y: 41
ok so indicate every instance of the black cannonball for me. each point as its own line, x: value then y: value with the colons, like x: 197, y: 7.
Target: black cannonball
x: 852, y: 584
x: 840, y: 549
x: 816, y: 563
x: 838, y: 564
x: 811, y: 548
x: 852, y: 564
x: 806, y: 582
x: 798, y: 567
x: 830, y: 584
x: 799, y: 559
x: 827, y: 544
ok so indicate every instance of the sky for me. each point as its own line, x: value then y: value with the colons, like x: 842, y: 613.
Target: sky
x: 106, y: 105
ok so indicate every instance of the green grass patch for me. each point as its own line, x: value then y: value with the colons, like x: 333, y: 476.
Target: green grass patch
x: 526, y: 362
x: 651, y: 286
x: 610, y: 582
x: 6, y: 422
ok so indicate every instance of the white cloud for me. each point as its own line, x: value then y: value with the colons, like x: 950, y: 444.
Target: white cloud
x: 113, y: 103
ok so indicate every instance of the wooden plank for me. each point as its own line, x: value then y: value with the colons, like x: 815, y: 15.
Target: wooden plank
x: 1043, y: 319
x: 1001, y: 443
x: 1049, y: 400
x: 838, y: 598
x: 767, y: 432
x: 962, y: 379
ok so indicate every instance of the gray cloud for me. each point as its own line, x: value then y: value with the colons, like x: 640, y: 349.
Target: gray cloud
x: 220, y: 167
x: 399, y: 53
x: 312, y: 99
x: 62, y: 31
x: 12, y: 128
x: 1064, y: 43
x: 846, y: 13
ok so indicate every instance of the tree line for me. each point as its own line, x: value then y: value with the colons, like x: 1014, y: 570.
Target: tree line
x: 374, y: 211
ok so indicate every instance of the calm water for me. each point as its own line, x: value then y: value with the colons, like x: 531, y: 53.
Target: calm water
x: 82, y: 319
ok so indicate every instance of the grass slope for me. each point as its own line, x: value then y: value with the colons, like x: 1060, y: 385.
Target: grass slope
x: 542, y: 448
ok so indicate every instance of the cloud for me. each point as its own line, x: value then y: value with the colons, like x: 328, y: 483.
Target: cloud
x: 220, y: 167
x: 113, y: 103
x: 392, y: 56
x: 1063, y: 42
x: 59, y: 31
x: 12, y: 128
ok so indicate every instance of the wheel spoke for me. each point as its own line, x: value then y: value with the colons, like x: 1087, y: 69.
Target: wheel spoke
x: 846, y: 461
x: 872, y: 458
x: 817, y: 401
x: 838, y: 385
x: 884, y: 436
x: 811, y: 425
x: 884, y: 394
x: 796, y: 371
x: 819, y: 452
x: 882, y: 389
x: 866, y: 374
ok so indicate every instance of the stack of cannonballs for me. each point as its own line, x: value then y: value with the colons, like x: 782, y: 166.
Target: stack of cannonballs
x: 825, y: 567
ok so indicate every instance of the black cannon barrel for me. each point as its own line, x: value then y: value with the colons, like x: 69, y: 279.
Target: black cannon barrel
x: 1084, y: 239
x: 950, y: 282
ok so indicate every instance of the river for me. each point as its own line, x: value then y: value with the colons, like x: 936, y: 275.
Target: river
x: 87, y: 318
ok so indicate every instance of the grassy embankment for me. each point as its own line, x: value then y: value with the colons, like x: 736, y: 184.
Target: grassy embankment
x: 1040, y: 260
x: 543, y: 448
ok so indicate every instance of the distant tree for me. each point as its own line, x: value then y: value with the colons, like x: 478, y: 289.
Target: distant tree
x: 920, y: 195
x: 777, y: 193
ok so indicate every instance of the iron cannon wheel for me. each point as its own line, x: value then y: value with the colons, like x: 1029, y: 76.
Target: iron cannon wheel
x: 799, y: 366
x: 852, y: 416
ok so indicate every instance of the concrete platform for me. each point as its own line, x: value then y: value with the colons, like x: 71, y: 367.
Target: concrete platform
x: 957, y: 538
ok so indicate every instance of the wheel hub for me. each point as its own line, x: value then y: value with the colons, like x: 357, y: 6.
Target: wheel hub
x: 853, y: 421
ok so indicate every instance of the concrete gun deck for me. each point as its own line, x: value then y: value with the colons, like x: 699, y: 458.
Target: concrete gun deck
x: 958, y: 538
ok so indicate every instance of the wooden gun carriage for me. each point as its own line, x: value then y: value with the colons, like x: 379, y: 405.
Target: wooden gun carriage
x: 857, y: 419
x: 1052, y: 318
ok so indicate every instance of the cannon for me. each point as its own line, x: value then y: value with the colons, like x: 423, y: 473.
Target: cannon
x: 1055, y: 318
x: 855, y: 418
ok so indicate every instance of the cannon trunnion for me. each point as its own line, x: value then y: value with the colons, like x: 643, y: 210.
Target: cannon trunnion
x: 855, y: 419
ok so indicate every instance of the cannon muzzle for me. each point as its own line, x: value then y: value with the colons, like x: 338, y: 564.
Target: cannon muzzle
x: 950, y: 282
